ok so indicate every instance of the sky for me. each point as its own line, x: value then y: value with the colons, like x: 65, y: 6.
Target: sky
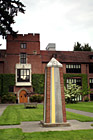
x: 62, y: 22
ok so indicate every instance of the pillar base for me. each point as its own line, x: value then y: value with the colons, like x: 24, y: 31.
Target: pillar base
x: 64, y: 124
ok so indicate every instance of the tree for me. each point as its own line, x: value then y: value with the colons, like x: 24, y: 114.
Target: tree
x: 8, y: 10
x: 72, y: 92
x: 79, y: 47
x: 86, y: 47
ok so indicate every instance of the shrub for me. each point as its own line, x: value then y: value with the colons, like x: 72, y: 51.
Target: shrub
x: 84, y: 81
x: 72, y: 92
x: 40, y: 98
x: 86, y: 99
x: 8, y: 98
x: 36, y: 98
x: 33, y: 98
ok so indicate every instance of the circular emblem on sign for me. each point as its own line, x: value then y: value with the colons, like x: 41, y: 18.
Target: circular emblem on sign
x: 54, y: 63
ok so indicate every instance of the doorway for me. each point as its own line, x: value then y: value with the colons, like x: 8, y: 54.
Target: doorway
x: 23, y: 97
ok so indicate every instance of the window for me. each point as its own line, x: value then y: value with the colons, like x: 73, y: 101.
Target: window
x: 91, y: 97
x: 23, y: 45
x: 91, y: 82
x: 73, y: 81
x: 73, y: 68
x: 54, y: 55
x: 34, y: 52
x: 23, y: 58
x: 91, y: 56
x: 11, y: 88
x: 23, y: 75
x: 90, y: 68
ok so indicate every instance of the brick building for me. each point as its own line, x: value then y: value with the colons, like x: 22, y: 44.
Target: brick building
x: 23, y: 58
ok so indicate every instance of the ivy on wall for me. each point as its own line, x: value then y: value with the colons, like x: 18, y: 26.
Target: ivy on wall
x: 6, y: 80
x: 84, y: 81
x: 38, y: 83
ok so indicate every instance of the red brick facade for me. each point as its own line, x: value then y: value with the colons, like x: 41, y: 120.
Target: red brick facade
x: 13, y: 52
x: 62, y: 94
x: 48, y: 95
x: 39, y: 58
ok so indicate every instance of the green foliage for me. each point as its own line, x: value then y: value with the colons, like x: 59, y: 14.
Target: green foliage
x: 38, y: 83
x: 18, y: 134
x: 72, y: 92
x: 78, y: 47
x: 86, y: 99
x: 8, y: 10
x: 36, y: 98
x: 79, y: 117
x: 84, y: 82
x: 40, y: 98
x: 6, y: 80
x: 83, y: 106
x: 15, y: 114
x: 8, y: 98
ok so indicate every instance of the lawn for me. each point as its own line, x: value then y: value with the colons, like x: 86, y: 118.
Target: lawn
x: 82, y: 118
x: 83, y: 106
x: 17, y: 134
x: 14, y: 114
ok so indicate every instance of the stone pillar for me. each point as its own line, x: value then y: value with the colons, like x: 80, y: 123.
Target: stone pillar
x: 54, y: 99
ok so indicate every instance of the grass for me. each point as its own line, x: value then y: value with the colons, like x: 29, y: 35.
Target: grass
x: 82, y: 118
x: 83, y: 106
x: 15, y: 114
x: 17, y: 134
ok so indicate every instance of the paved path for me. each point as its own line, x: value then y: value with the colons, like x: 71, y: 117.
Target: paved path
x: 35, y: 126
x: 2, y: 108
x: 80, y: 112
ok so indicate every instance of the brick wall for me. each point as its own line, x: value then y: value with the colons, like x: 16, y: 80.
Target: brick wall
x: 13, y: 52
x: 16, y: 89
x: 48, y: 96
x: 62, y: 94
x: 1, y: 67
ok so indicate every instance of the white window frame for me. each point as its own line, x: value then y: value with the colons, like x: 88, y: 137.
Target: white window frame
x: 23, y: 66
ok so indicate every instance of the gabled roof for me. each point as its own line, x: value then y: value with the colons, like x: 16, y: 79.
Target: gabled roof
x: 67, y: 56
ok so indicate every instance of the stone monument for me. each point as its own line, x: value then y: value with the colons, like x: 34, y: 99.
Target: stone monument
x: 54, y: 99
